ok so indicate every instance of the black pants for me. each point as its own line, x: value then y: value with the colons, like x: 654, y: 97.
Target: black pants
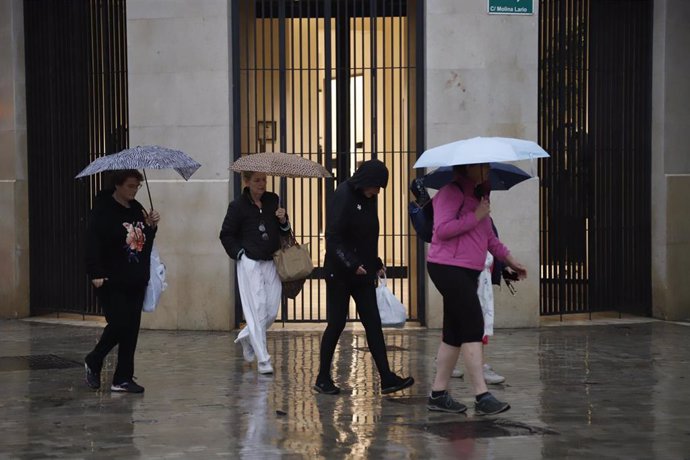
x: 338, y: 294
x: 463, y: 321
x: 122, y: 308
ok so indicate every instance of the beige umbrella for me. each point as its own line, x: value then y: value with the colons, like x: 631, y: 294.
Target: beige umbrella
x: 280, y: 164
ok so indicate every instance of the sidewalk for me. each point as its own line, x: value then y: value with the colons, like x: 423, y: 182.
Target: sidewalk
x: 612, y: 391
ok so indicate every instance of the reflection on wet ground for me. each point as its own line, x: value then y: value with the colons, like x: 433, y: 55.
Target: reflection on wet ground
x: 618, y: 391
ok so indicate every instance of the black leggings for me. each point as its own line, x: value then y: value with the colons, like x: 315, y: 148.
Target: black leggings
x: 463, y: 321
x: 338, y: 294
x: 122, y: 308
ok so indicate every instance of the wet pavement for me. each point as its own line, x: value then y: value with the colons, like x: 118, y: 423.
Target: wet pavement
x: 604, y: 392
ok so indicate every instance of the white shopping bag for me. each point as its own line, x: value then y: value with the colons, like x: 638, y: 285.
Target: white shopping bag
x: 391, y: 310
x: 157, y: 282
x: 485, y: 292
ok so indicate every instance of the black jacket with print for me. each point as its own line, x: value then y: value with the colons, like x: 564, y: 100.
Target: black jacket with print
x: 241, y: 227
x: 352, y: 224
x: 119, y: 242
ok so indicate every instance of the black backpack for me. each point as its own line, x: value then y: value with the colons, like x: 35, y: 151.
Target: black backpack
x: 421, y: 211
x: 422, y: 218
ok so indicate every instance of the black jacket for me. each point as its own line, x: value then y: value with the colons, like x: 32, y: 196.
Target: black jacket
x: 352, y: 224
x: 119, y: 242
x: 240, y: 230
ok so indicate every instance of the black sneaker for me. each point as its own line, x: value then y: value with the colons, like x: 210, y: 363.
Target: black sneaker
x: 396, y: 383
x: 445, y: 403
x: 92, y: 378
x: 127, y: 387
x: 489, y: 405
x: 327, y: 387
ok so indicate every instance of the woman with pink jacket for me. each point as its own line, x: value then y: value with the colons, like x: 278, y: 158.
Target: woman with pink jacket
x: 462, y: 235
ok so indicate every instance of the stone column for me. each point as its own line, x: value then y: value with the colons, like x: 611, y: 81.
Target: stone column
x: 14, y: 192
x: 481, y: 80
x: 179, y: 96
x: 671, y: 161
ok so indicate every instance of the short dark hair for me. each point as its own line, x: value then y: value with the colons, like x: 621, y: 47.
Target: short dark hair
x: 121, y: 175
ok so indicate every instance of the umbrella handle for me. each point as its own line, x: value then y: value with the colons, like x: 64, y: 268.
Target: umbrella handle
x: 147, y: 188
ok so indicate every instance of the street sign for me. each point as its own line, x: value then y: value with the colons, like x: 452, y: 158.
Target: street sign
x: 523, y: 7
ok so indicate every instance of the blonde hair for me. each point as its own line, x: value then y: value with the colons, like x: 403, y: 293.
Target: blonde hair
x: 247, y: 175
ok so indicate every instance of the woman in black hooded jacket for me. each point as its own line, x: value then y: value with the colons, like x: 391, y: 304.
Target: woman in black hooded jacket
x: 351, y: 265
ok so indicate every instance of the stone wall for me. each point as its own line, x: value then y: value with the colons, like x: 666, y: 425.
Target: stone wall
x: 14, y: 193
x: 179, y: 96
x: 671, y: 161
x: 481, y: 80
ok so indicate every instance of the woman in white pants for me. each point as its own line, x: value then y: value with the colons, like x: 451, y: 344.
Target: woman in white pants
x: 250, y: 235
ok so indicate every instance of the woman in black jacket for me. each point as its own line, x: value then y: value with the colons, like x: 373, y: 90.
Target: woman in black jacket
x: 351, y: 266
x: 250, y: 235
x: 119, y: 242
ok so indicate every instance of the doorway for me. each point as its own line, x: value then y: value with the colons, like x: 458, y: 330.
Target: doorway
x: 335, y: 82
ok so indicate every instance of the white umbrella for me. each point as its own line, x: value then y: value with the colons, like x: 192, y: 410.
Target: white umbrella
x: 480, y: 150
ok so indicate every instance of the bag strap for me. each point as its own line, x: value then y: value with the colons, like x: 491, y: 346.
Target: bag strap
x: 288, y: 241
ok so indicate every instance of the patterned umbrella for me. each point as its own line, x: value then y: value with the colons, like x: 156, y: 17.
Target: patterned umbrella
x: 280, y: 164
x: 144, y: 157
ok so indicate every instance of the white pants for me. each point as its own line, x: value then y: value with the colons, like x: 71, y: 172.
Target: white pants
x: 260, y: 291
x: 485, y: 291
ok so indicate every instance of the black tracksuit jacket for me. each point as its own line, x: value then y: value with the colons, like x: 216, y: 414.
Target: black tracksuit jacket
x: 119, y: 242
x: 352, y: 224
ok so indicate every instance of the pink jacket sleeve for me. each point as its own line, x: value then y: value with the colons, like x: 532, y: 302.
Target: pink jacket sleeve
x: 497, y: 249
x: 451, y: 218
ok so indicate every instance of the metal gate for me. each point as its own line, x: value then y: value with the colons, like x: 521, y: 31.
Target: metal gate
x: 335, y: 82
x: 594, y: 119
x: 76, y: 98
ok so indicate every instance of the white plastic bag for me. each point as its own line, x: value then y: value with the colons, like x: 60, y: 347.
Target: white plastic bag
x: 391, y: 310
x: 157, y: 282
x: 485, y: 292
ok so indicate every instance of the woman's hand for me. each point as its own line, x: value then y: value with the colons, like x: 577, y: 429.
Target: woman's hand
x: 281, y: 215
x: 152, y: 218
x: 517, y: 267
x: 483, y: 210
x: 360, y: 270
x: 98, y: 282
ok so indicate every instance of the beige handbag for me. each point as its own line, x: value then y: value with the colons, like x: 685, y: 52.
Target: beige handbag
x: 293, y: 261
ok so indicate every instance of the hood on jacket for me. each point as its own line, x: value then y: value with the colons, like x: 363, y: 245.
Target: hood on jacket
x: 102, y: 197
x: 372, y: 173
x: 108, y: 191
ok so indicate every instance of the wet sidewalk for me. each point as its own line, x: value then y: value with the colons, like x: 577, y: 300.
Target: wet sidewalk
x: 604, y: 392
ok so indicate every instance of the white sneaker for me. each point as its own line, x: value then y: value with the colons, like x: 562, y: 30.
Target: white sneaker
x: 457, y: 373
x: 265, y: 367
x: 247, y: 350
x: 491, y: 377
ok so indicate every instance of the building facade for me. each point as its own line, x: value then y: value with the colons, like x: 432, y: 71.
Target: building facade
x: 340, y: 82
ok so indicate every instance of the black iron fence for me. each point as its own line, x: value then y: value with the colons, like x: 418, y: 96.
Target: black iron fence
x: 335, y: 82
x: 76, y: 96
x: 594, y: 119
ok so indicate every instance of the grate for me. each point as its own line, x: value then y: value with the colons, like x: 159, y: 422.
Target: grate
x: 388, y: 348
x: 488, y: 428
x: 35, y: 363
x: 337, y: 82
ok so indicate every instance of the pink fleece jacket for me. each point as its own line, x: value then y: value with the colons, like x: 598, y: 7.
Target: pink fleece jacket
x: 459, y: 239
